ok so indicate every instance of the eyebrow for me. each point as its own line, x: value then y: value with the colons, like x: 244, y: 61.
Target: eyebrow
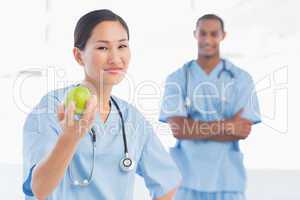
x: 106, y: 41
x: 209, y: 30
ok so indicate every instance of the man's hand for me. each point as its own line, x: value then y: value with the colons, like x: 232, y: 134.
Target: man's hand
x: 238, y: 126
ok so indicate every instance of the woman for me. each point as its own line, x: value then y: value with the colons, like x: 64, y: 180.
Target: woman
x: 59, y: 150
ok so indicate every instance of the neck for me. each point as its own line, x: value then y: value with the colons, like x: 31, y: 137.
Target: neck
x: 208, y: 63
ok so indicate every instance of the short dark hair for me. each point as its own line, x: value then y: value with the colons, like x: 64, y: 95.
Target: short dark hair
x: 87, y: 23
x: 211, y: 16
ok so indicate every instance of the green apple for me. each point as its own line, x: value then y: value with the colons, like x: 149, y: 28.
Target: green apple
x: 79, y: 95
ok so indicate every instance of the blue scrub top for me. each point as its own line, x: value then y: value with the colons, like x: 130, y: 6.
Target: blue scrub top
x: 41, y: 131
x: 207, y: 165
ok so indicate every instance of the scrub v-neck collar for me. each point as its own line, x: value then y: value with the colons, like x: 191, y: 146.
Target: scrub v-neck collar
x: 208, y: 76
x: 110, y: 118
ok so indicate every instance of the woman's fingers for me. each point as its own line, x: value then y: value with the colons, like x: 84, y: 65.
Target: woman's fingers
x: 90, y: 110
x: 60, y: 112
x: 87, y: 118
x: 70, y: 114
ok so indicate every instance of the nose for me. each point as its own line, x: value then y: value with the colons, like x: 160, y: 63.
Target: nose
x: 114, y: 57
x: 207, y: 40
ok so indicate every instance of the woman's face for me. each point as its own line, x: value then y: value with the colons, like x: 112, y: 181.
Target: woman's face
x: 106, y: 55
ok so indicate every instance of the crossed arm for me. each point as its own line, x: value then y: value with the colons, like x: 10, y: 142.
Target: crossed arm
x: 235, y: 128
x: 169, y: 196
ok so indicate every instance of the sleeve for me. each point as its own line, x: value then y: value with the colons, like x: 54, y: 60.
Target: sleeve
x: 39, y: 137
x: 247, y: 99
x: 159, y: 171
x: 173, y: 102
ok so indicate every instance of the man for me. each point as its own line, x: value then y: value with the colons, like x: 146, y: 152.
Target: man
x: 210, y: 105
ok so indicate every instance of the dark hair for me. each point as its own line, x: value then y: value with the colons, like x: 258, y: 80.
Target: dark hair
x: 87, y: 23
x: 211, y: 16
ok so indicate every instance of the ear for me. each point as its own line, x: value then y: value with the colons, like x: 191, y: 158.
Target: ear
x: 195, y: 34
x: 224, y: 35
x: 77, y: 53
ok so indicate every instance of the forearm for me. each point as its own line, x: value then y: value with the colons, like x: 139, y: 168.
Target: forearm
x: 48, y: 173
x: 228, y: 133
x: 186, y: 128
x: 224, y: 138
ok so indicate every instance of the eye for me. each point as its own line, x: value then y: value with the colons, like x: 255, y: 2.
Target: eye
x: 123, y: 46
x: 215, y: 34
x: 203, y: 34
x: 102, y: 48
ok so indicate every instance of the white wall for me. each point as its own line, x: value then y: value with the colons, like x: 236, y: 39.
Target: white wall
x: 39, y: 34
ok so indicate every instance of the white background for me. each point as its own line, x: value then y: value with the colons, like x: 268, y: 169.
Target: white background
x: 262, y: 38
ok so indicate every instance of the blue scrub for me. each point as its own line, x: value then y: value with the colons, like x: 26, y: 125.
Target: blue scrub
x: 188, y: 194
x: 41, y: 131
x: 209, y: 166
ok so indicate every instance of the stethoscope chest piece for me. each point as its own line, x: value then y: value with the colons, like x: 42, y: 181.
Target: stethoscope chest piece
x: 127, y: 164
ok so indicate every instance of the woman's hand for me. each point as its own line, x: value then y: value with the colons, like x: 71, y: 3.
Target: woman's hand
x: 72, y: 127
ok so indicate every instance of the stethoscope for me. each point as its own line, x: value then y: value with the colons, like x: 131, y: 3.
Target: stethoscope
x: 188, y: 101
x: 126, y: 163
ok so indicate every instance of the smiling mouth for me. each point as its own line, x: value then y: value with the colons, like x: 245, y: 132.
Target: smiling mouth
x: 114, y: 70
x: 207, y: 47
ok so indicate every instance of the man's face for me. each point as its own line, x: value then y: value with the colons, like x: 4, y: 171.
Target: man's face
x: 209, y: 34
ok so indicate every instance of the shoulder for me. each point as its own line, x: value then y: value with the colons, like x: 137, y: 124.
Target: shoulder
x: 52, y: 99
x: 44, y: 113
x: 240, y: 74
x: 179, y: 75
